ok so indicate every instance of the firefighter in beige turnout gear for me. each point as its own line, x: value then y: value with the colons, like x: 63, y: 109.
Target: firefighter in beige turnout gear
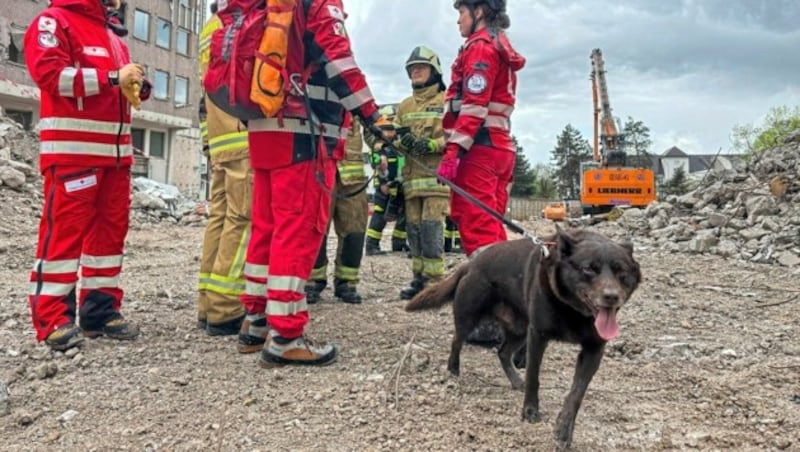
x: 228, y: 229
x: 427, y: 201
x: 349, y: 217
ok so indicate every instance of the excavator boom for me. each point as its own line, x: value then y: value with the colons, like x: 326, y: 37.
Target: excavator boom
x: 607, y: 181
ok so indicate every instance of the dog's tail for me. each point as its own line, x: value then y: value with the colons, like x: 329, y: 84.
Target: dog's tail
x: 437, y: 295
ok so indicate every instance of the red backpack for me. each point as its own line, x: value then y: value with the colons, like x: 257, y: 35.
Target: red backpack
x: 235, y: 58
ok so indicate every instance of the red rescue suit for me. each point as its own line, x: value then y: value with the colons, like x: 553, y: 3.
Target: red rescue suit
x: 294, y: 173
x: 85, y: 157
x: 478, y: 106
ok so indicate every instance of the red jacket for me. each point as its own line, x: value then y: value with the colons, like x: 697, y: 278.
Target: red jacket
x: 84, y: 120
x: 482, y: 92
x: 336, y: 86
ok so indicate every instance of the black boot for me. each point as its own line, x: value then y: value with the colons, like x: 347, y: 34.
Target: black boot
x: 346, y: 292
x: 448, y: 244
x: 373, y: 247
x: 314, y: 291
x: 416, y: 286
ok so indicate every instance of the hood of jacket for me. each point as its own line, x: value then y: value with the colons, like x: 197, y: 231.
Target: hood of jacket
x: 91, y: 8
x: 507, y: 52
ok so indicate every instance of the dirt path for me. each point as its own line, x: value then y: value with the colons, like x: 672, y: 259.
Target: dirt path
x: 709, y: 357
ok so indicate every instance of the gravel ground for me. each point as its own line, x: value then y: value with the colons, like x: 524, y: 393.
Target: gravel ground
x: 708, y: 358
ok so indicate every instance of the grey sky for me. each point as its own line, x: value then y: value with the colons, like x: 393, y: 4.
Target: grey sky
x: 690, y: 69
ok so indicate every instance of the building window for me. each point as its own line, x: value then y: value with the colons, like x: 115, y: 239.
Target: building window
x: 181, y: 91
x: 184, y: 13
x: 15, y: 48
x: 141, y: 25
x: 161, y: 85
x: 137, y: 138
x: 24, y: 118
x: 158, y: 144
x: 182, y: 41
x: 163, y: 33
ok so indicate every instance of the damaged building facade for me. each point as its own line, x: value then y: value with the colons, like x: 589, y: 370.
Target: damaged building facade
x: 163, y: 36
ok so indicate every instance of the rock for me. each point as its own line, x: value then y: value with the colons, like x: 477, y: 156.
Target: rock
x: 12, y: 177
x: 789, y: 259
x: 45, y: 370
x: 5, y: 399
x: 68, y: 416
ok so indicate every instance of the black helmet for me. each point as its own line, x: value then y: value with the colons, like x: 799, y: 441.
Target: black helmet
x: 496, y: 5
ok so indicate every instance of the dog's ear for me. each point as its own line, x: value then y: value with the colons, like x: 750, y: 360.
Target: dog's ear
x: 566, y: 242
x: 627, y: 246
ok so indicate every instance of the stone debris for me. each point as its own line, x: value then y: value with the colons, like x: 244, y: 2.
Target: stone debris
x: 152, y: 202
x: 749, y: 212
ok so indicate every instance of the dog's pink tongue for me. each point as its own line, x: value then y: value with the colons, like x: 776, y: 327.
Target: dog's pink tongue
x: 606, y: 324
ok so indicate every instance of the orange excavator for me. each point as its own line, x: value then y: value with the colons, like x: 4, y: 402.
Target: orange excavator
x: 608, y: 180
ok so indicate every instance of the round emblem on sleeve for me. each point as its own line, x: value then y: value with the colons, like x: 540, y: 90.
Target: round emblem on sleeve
x: 476, y: 84
x: 47, y: 40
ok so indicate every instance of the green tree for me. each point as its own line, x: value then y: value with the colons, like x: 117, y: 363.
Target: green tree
x: 571, y: 149
x: 637, y: 143
x: 752, y: 139
x: 545, y: 184
x: 524, y: 178
x: 677, y: 184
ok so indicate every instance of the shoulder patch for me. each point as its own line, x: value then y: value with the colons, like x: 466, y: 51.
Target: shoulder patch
x: 336, y: 12
x: 339, y: 30
x: 435, y: 109
x: 47, y: 24
x: 47, y: 40
x: 476, y: 83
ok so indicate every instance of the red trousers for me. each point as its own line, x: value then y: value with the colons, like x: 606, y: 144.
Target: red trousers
x: 290, y: 214
x: 84, y: 221
x: 484, y: 173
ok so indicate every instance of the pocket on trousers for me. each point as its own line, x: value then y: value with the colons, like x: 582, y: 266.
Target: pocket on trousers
x: 290, y: 188
x: 78, y: 184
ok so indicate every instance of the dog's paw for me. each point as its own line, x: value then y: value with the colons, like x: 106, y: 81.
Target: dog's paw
x: 531, y: 414
x: 563, y: 433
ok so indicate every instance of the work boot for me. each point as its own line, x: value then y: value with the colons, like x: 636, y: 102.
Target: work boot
x: 314, y: 290
x: 117, y: 328
x: 373, y: 247
x: 416, y: 286
x: 448, y: 245
x: 253, y: 333
x: 202, y: 324
x: 64, y: 337
x: 346, y: 291
x: 229, y: 328
x: 399, y: 245
x: 279, y: 351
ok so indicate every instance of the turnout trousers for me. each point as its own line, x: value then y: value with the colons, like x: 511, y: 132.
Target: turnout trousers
x: 221, y: 279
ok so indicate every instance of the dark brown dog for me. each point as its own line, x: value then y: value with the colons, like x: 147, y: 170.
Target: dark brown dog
x: 572, y: 295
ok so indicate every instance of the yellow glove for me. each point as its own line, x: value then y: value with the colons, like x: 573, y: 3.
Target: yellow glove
x: 130, y: 82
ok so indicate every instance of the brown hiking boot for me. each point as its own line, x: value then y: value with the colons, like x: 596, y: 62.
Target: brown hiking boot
x: 301, y: 351
x: 64, y: 337
x: 253, y: 333
x: 117, y: 328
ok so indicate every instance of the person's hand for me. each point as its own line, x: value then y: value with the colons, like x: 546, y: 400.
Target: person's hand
x: 448, y: 168
x: 383, y: 166
x: 417, y: 145
x: 130, y: 82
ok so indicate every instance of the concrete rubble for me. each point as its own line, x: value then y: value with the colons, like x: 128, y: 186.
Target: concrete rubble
x: 749, y: 212
x: 152, y: 202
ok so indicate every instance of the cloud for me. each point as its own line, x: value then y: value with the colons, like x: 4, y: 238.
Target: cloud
x: 689, y: 69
